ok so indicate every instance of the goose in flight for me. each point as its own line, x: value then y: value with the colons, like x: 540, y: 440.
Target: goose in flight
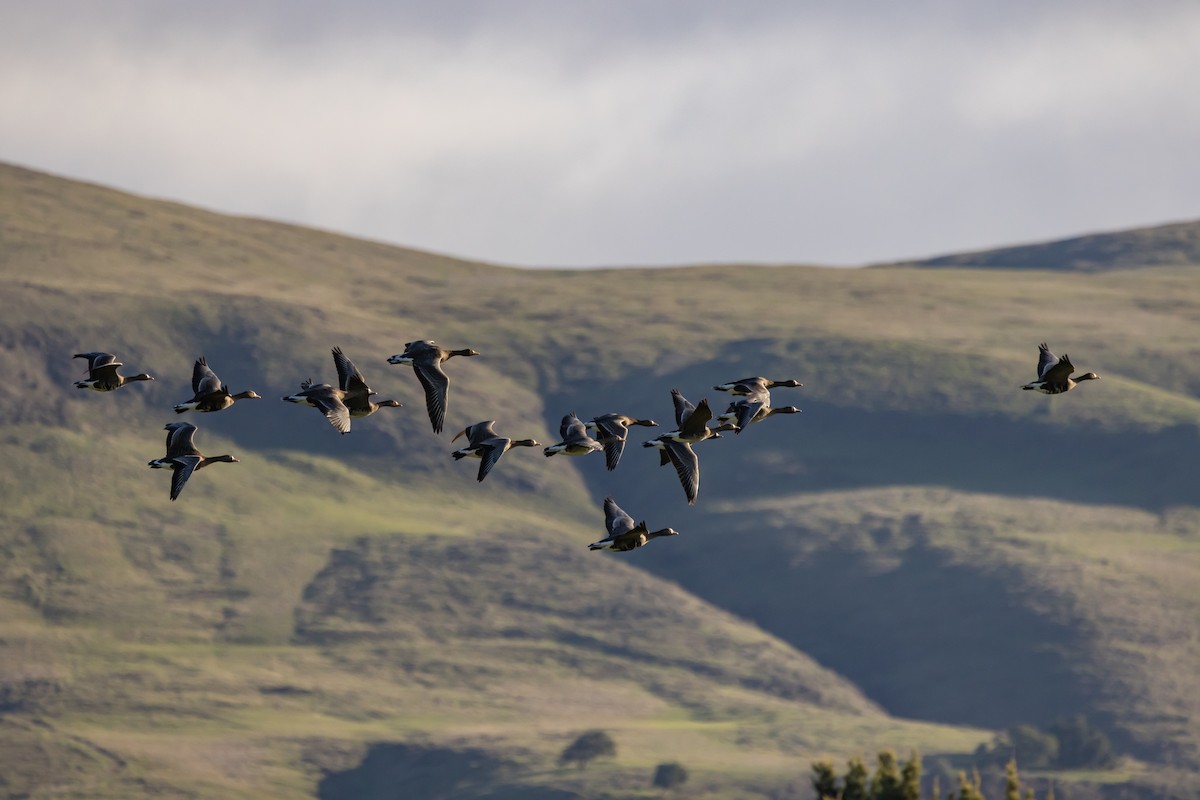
x: 747, y: 386
x: 102, y: 373
x: 485, y: 444
x: 623, y: 533
x: 182, y: 457
x: 356, y: 395
x: 575, y: 439
x: 326, y: 399
x: 611, y: 431
x: 426, y: 359
x: 208, y: 393
x: 1054, y: 373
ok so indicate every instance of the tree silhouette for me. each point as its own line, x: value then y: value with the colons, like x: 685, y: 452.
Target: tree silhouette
x: 910, y: 779
x: 885, y: 785
x: 825, y: 781
x: 1012, y: 781
x: 854, y: 785
x: 588, y: 747
x: 670, y: 775
x: 968, y: 788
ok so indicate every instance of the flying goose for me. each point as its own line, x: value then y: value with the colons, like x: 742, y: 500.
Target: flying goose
x: 209, y: 394
x: 484, y: 443
x: 1054, y: 373
x: 326, y: 399
x: 747, y: 386
x: 754, y: 407
x: 182, y: 457
x: 356, y: 394
x: 611, y: 431
x: 691, y: 420
x: 102, y: 373
x: 575, y: 439
x: 675, y: 447
x: 427, y: 359
x: 623, y: 534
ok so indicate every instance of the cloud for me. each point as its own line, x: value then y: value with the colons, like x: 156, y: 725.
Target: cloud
x: 589, y: 134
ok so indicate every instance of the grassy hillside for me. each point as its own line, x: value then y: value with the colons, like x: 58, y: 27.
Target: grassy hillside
x: 1176, y: 245
x: 948, y: 548
x: 977, y: 593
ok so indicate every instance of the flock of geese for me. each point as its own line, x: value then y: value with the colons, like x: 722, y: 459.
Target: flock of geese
x: 607, y: 433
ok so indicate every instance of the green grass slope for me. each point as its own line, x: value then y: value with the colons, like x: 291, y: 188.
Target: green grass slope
x: 975, y: 593
x: 290, y: 608
x: 296, y: 615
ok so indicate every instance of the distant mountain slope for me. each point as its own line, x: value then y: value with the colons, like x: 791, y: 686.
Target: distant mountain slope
x: 333, y: 599
x: 1172, y: 245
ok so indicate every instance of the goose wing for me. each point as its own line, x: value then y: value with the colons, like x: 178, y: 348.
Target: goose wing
x: 746, y: 412
x: 574, y: 432
x: 683, y: 407
x: 105, y: 374
x: 687, y: 467
x: 180, y: 439
x: 204, y: 380
x: 611, y: 431
x: 494, y: 448
x: 421, y: 347
x: 350, y: 380
x: 182, y: 468
x: 435, y: 382
x: 326, y: 400
x: 478, y: 433
x: 572, y: 427
x: 610, y: 425
x: 1051, y: 368
x: 696, y: 421
x: 96, y: 360
x: 616, y: 521
x: 748, y: 385
x: 614, y: 446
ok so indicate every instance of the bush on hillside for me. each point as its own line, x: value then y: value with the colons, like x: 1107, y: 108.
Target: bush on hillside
x: 587, y: 748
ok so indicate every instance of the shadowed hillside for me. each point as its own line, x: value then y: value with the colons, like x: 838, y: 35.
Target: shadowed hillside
x: 925, y: 542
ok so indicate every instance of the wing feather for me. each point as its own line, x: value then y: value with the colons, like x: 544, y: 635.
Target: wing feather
x: 687, y: 467
x: 204, y: 380
x: 697, y: 420
x: 349, y: 378
x: 182, y: 469
x: 181, y: 439
x: 746, y: 412
x: 614, y: 446
x: 495, y: 448
x: 683, y: 407
x: 616, y: 521
x: 435, y: 382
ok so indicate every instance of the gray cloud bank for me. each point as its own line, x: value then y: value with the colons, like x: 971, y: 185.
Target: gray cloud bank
x: 604, y: 133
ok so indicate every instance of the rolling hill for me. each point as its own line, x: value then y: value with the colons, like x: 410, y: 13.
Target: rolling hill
x: 926, y: 555
x: 1177, y: 245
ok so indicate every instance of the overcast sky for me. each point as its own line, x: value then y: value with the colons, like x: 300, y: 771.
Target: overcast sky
x: 560, y: 133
